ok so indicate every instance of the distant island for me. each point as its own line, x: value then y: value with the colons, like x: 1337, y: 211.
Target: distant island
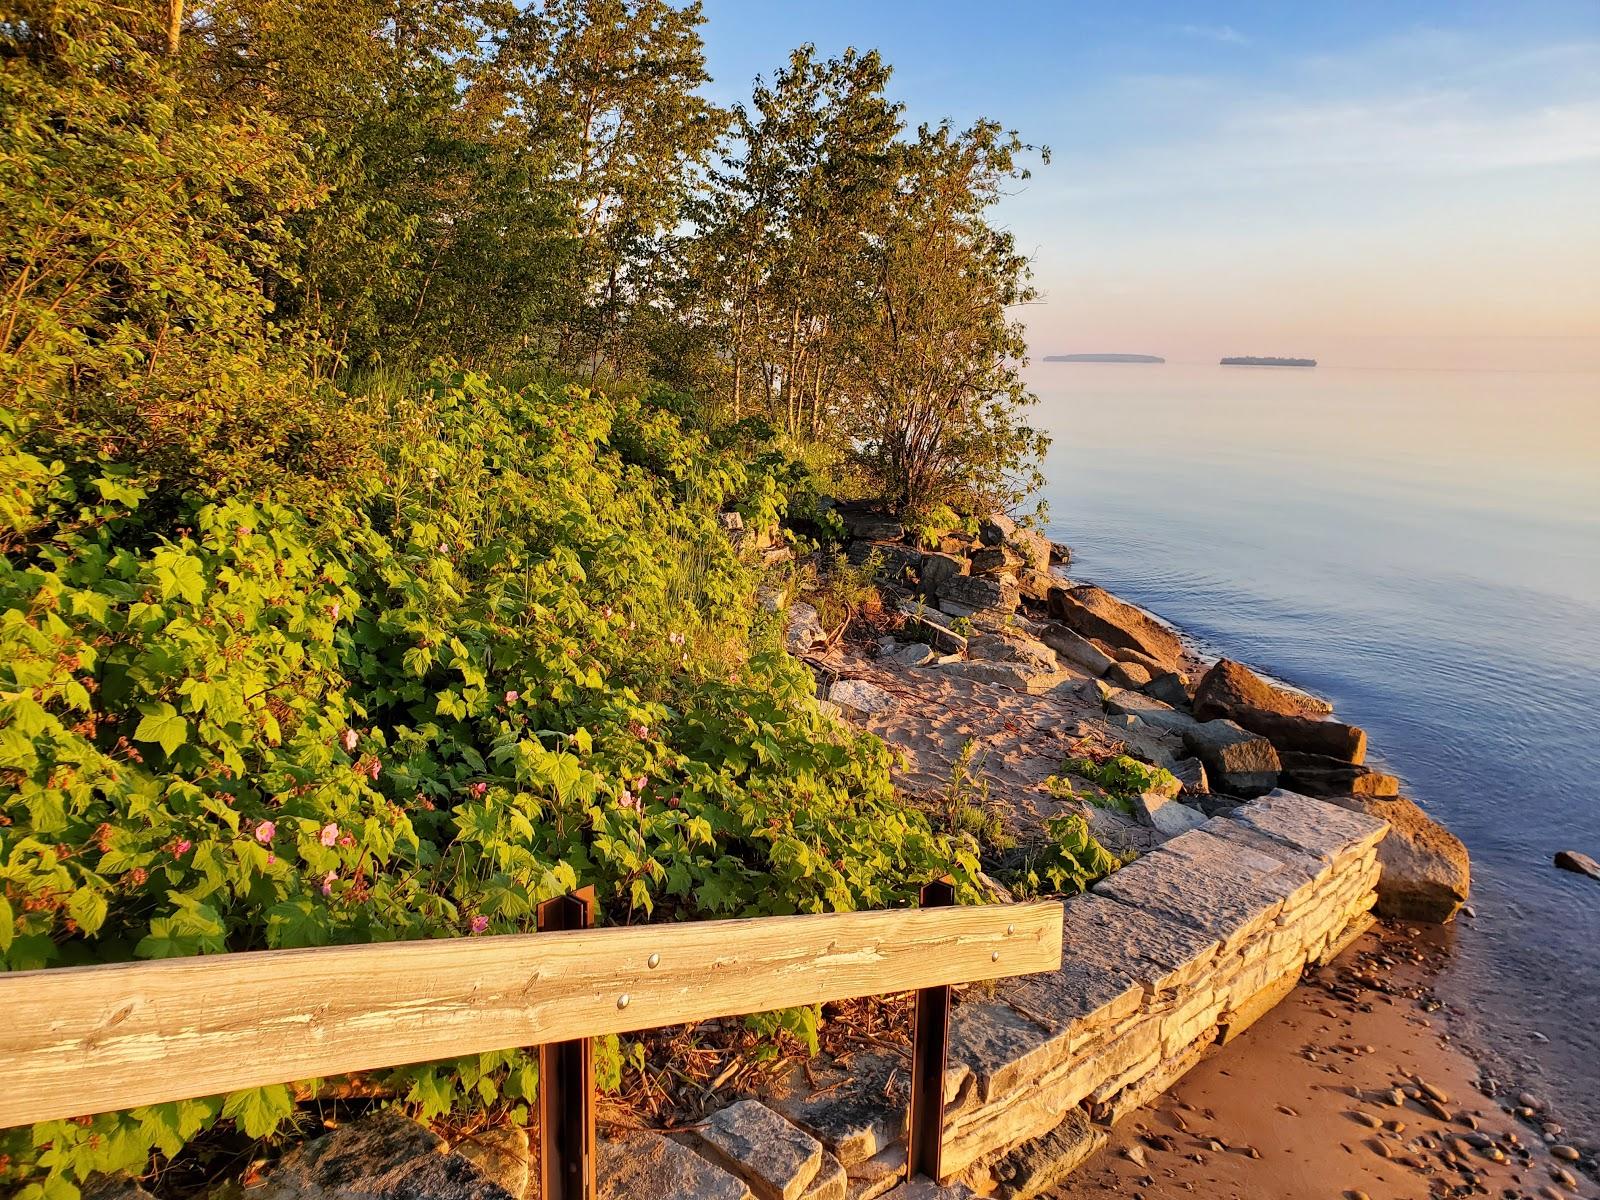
x: 1252, y: 361
x: 1116, y: 358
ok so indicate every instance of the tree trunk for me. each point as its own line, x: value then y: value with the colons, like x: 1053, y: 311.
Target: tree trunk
x: 174, y: 26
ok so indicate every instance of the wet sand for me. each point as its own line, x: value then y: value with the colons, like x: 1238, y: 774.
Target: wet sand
x: 1288, y: 1109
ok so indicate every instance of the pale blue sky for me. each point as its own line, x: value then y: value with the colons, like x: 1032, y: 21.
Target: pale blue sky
x: 1369, y: 183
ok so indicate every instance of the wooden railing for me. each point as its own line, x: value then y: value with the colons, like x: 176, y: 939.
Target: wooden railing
x: 82, y: 1040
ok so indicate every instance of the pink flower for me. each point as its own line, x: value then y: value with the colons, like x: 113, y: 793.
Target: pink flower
x: 330, y: 834
x: 675, y: 638
x: 627, y: 799
x: 479, y: 924
x: 349, y: 740
x: 266, y: 831
x: 372, y: 769
x: 327, y: 882
x: 638, y: 784
x: 181, y: 846
x: 606, y: 612
x: 512, y: 697
x: 346, y: 839
x: 335, y: 610
x: 271, y: 858
x: 479, y: 790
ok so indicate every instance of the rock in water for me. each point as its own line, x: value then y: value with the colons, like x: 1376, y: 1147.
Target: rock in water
x: 1229, y: 685
x: 1236, y: 760
x: 1571, y: 860
x: 1320, y: 775
x: 1426, y: 871
x: 1096, y: 613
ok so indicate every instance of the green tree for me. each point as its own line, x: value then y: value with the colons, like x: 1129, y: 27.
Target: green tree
x: 938, y: 402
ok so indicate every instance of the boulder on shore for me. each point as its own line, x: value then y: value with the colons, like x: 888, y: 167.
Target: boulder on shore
x: 1096, y: 613
x: 1127, y: 675
x: 1427, y: 874
x: 1075, y: 648
x: 1170, y: 687
x: 1307, y: 735
x: 1229, y: 685
x: 939, y: 569
x: 1320, y: 775
x: 965, y: 595
x: 1236, y: 760
x: 991, y: 560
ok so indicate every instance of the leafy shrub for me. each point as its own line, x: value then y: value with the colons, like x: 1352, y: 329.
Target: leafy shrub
x: 1122, y: 778
x: 515, y: 658
x: 1070, y: 859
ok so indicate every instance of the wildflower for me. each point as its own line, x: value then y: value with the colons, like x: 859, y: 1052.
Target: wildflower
x: 444, y: 547
x: 627, y: 800
x: 181, y: 847
x: 673, y: 802
x: 327, y: 882
x: 334, y: 610
x: 271, y: 858
x: 373, y: 768
x: 638, y: 784
x: 349, y: 740
x: 512, y: 697
x: 479, y: 790
x: 347, y: 839
x: 330, y: 834
x: 266, y: 831
x: 606, y: 612
x: 675, y: 638
x: 480, y: 923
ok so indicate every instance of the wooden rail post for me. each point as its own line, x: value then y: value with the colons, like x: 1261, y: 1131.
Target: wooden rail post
x: 566, y: 1083
x: 929, y: 1049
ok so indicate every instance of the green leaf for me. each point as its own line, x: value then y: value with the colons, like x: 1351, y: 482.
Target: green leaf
x: 162, y: 724
x: 88, y: 908
x: 258, y: 1111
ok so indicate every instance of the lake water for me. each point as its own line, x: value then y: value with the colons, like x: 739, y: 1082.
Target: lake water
x: 1422, y: 548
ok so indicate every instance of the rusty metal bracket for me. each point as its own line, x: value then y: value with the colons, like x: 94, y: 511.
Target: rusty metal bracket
x: 566, y: 1083
x: 929, y: 1051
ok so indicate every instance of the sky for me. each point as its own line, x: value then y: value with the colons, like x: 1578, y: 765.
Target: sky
x: 1371, y: 184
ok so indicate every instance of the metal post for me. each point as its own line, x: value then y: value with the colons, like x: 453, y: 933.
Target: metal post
x: 929, y: 1047
x: 566, y: 1083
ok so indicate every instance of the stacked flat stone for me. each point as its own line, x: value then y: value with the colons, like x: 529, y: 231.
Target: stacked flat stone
x: 1163, y: 961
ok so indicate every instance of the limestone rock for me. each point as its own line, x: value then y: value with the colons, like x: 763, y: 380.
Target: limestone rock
x: 932, y: 625
x: 1229, y: 685
x: 896, y: 560
x: 647, y: 1166
x: 831, y: 1181
x: 1096, y: 613
x: 914, y: 654
x: 1427, y: 874
x: 995, y: 647
x: 1169, y: 687
x: 1191, y: 773
x: 1036, y: 585
x: 1319, y: 828
x: 991, y: 560
x: 1320, y: 775
x: 1033, y: 1166
x: 383, y: 1156
x: 938, y: 570
x: 804, y: 631
x: 922, y: 1189
x: 1034, y: 549
x: 503, y: 1154
x: 871, y: 526
x: 1236, y: 761
x: 1000, y: 1047
x: 874, y: 1176
x: 1166, y: 815
x: 1127, y: 675
x: 965, y: 595
x: 775, y: 1158
x: 864, y: 1115
x: 1017, y: 676
x: 1075, y: 648
x: 859, y: 696
x: 997, y: 529
x: 1580, y: 864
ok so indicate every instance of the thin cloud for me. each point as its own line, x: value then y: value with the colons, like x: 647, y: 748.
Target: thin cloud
x: 1226, y: 34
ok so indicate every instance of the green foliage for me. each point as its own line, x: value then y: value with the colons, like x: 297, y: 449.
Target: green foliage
x: 966, y: 809
x: 474, y: 679
x: 1069, y: 861
x: 1122, y: 778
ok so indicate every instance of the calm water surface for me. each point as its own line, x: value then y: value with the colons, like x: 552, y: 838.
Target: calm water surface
x: 1423, y: 548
